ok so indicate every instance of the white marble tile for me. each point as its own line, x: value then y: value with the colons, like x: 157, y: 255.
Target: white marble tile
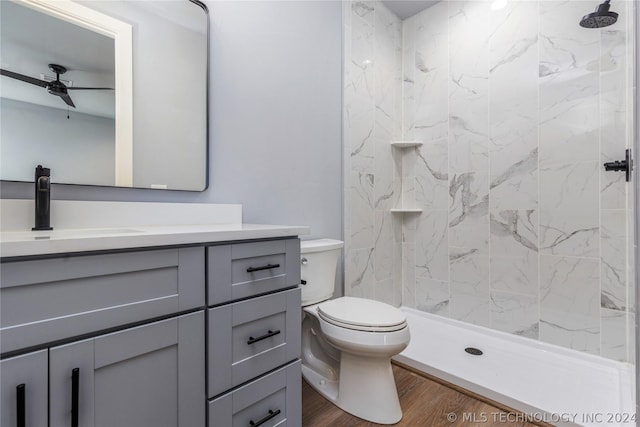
x: 359, y: 123
x: 398, y: 286
x: 364, y: 10
x: 569, y: 86
x: 408, y: 275
x: 408, y: 78
x: 384, y: 291
x: 613, y: 261
x: 613, y: 337
x: 469, y: 147
x: 432, y: 259
x: 469, y: 211
x: 385, y: 187
x: 513, y: 46
x: 613, y: 185
x: 431, y: 71
x: 432, y: 296
x: 514, y: 232
x: 361, y: 63
x: 569, y: 233
x: 362, y: 206
x: 515, y: 274
x: 569, y: 129
x: 408, y: 177
x: 572, y: 186
x: 566, y: 47
x: 517, y: 314
x: 409, y: 227
x: 513, y: 105
x: 570, y: 302
x: 469, y: 272
x: 383, y: 245
x: 613, y: 115
x: 359, y: 97
x: 468, y: 87
x: 431, y: 175
x: 359, y: 277
x: 471, y: 309
x: 516, y: 187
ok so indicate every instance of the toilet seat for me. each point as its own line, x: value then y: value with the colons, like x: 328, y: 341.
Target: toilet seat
x: 362, y: 315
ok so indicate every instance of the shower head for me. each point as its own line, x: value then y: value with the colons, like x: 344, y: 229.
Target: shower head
x: 602, y: 17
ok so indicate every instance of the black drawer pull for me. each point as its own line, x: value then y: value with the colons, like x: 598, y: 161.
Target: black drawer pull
x: 20, y: 406
x: 265, y: 419
x: 75, y: 383
x: 264, y: 267
x: 263, y: 337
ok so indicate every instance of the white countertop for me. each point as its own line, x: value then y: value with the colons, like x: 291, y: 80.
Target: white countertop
x: 59, y: 241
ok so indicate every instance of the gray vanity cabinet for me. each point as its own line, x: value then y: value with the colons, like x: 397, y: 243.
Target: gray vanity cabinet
x: 23, y: 390
x: 58, y: 298
x: 151, y: 375
x: 250, y: 337
x: 253, y: 330
x: 153, y: 337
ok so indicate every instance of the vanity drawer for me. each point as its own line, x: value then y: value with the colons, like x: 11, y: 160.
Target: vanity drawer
x: 249, y: 338
x: 42, y: 301
x: 244, y: 270
x: 280, y: 390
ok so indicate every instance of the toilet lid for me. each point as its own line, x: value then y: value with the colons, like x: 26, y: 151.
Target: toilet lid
x: 362, y: 314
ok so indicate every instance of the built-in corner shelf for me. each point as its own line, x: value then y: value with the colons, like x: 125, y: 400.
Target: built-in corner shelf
x: 406, y: 144
x: 406, y: 210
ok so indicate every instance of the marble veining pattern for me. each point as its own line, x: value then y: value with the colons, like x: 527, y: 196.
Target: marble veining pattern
x: 521, y: 229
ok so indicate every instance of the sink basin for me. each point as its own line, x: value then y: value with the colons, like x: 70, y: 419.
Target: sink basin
x: 15, y: 236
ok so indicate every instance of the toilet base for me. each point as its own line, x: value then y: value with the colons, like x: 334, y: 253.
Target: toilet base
x: 368, y: 389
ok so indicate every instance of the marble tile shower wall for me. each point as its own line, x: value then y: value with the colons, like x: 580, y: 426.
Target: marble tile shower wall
x: 372, y: 118
x: 521, y: 230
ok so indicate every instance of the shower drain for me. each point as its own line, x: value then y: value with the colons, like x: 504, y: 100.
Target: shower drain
x: 474, y: 351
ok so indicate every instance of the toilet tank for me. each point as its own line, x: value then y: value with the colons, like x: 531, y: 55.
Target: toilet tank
x: 319, y: 260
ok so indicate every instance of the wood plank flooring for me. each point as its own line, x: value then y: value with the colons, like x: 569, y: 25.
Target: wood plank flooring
x: 424, y: 403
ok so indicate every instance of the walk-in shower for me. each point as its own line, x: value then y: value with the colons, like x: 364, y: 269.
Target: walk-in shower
x: 492, y: 216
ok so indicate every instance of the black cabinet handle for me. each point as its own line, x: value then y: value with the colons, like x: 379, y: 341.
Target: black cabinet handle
x: 264, y: 267
x: 75, y: 383
x: 20, y: 405
x: 265, y: 419
x: 263, y: 337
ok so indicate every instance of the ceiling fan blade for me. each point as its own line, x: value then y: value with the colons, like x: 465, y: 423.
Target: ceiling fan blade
x: 67, y: 99
x: 23, y: 78
x: 90, y: 88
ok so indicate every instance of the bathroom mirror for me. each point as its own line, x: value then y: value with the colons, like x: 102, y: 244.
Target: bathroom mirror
x: 132, y: 111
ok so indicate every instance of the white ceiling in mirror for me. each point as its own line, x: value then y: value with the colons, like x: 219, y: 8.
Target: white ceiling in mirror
x: 407, y: 8
x: 87, y: 55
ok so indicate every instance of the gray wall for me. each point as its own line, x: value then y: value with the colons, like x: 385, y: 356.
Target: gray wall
x: 275, y: 118
x: 31, y: 134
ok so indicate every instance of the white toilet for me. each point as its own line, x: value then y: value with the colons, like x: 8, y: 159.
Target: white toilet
x: 347, y: 343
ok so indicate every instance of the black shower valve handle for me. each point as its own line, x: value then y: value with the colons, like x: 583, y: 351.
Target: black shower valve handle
x: 616, y: 166
x: 625, y: 165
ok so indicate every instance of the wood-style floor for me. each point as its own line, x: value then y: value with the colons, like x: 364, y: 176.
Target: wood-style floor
x: 424, y: 403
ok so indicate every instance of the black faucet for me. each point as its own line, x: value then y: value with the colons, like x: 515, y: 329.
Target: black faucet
x: 43, y: 199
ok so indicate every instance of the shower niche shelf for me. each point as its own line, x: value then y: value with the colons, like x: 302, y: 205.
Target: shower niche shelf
x: 406, y: 144
x: 406, y: 210
x: 406, y: 156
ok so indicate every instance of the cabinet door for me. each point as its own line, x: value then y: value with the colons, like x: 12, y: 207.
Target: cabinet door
x: 148, y: 376
x: 23, y: 390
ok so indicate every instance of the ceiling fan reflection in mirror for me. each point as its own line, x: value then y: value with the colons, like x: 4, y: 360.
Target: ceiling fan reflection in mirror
x: 54, y: 87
